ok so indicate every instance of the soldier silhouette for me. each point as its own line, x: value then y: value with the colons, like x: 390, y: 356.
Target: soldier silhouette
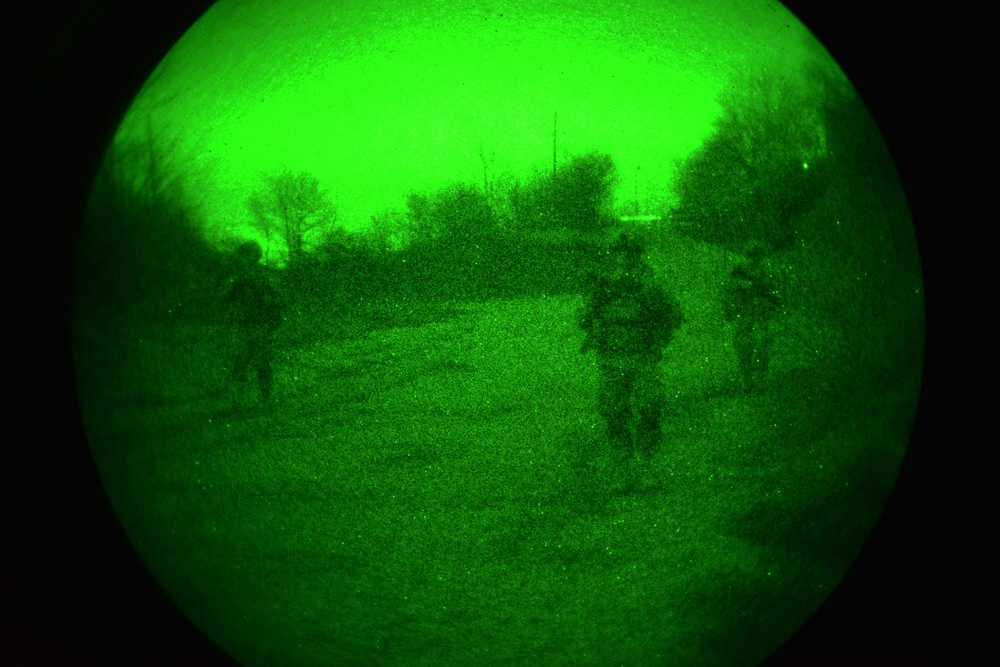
x: 751, y: 301
x: 256, y: 315
x: 628, y: 320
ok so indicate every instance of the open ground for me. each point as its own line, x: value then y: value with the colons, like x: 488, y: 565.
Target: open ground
x: 432, y: 488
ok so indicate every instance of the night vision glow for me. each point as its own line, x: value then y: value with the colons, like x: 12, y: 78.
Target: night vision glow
x: 479, y: 333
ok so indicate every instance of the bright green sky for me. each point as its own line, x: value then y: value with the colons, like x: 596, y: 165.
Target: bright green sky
x: 380, y: 98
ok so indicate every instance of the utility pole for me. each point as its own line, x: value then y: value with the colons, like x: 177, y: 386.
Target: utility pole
x: 637, y: 191
x: 555, y: 122
x: 486, y: 178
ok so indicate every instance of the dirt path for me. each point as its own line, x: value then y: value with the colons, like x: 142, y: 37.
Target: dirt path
x: 435, y: 494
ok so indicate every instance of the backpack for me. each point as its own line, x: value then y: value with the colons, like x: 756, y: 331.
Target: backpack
x: 256, y: 302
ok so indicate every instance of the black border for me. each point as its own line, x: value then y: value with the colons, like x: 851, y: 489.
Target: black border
x: 78, y: 596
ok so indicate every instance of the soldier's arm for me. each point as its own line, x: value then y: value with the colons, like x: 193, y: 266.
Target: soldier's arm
x: 588, y: 313
x: 230, y: 310
x: 664, y: 315
x: 586, y: 321
x: 273, y: 295
x: 742, y: 274
x: 231, y: 288
x: 737, y: 293
x: 767, y: 290
x: 665, y: 309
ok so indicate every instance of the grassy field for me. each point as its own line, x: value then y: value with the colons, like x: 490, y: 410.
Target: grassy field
x: 434, y: 489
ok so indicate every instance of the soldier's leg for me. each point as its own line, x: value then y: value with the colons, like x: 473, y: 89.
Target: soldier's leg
x: 754, y: 359
x: 651, y: 399
x: 261, y: 349
x: 613, y: 406
x: 758, y: 356
x: 240, y: 360
x: 743, y: 346
x: 265, y: 374
x: 631, y: 388
x: 630, y: 383
x: 766, y: 338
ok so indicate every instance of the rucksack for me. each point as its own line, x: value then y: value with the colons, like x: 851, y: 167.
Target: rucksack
x: 256, y: 302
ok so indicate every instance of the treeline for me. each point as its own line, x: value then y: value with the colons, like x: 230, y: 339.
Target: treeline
x: 144, y: 251
x: 800, y: 169
x: 464, y: 241
x: 799, y: 166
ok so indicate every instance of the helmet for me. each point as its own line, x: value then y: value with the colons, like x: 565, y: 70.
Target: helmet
x: 628, y: 247
x: 755, y: 250
x: 249, y: 252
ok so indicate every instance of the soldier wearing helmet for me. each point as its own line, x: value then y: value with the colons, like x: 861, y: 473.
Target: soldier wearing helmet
x: 751, y: 301
x: 256, y: 315
x: 627, y: 321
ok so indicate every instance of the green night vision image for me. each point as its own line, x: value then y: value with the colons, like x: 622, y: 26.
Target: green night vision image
x: 477, y: 333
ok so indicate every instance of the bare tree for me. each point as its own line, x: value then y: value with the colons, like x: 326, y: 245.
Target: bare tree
x: 487, y: 162
x: 144, y: 235
x: 390, y: 231
x: 292, y: 211
x: 582, y: 195
x: 760, y: 172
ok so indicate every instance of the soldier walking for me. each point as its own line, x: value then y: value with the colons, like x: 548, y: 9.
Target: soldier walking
x: 628, y: 320
x: 751, y: 301
x: 256, y: 315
